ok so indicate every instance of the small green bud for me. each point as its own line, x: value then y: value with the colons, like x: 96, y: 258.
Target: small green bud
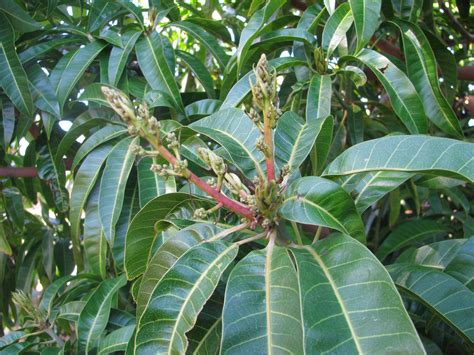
x: 200, y: 213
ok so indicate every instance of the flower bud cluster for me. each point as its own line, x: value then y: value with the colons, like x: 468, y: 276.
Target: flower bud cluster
x: 320, y: 61
x: 216, y: 162
x: 120, y: 104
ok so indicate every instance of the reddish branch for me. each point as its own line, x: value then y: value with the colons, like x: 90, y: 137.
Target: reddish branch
x: 16, y: 172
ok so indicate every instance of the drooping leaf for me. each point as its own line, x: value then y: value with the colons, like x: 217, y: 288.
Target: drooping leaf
x: 95, y: 314
x: 167, y: 255
x: 101, y: 12
x: 119, y: 56
x: 112, y: 185
x: 442, y: 294
x: 17, y: 17
x: 13, y: 78
x: 116, y: 340
x: 423, y: 72
x: 366, y: 17
x: 141, y: 232
x: 417, y: 153
x: 294, y: 139
x: 237, y: 134
x: 200, y: 72
x: 5, y: 247
x: 253, y: 27
x: 318, y: 104
x: 150, y: 184
x: 42, y: 91
x: 202, y: 108
x: 262, y: 312
x: 336, y: 27
x: 317, y: 201
x: 84, y: 182
x: 65, y: 76
x: 172, y: 310
x: 409, y: 233
x: 207, y: 40
x: 403, y: 96
x: 152, y: 60
x: 349, y: 303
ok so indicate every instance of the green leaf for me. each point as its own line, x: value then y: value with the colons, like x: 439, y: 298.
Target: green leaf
x: 112, y: 185
x: 336, y: 28
x: 95, y: 314
x: 65, y: 75
x: 423, y: 72
x: 5, y: 247
x: 372, y: 186
x: 13, y: 206
x: 117, y: 340
x: 13, y: 78
x: 49, y: 295
x: 150, y: 184
x: 404, y: 98
x: 409, y: 233
x: 42, y: 91
x: 278, y: 38
x: 356, y: 74
x: 95, y: 244
x: 84, y: 182
x: 167, y: 255
x: 99, y: 137
x: 261, y: 308
x: 252, y: 30
x: 71, y: 310
x: 242, y: 88
x: 17, y: 17
x: 101, y: 12
x: 119, y: 56
x: 203, y: 107
x: 366, y: 17
x: 200, y: 72
x: 152, y: 60
x: 36, y: 50
x: 237, y: 134
x: 349, y: 303
x: 442, y: 294
x: 93, y: 93
x: 141, y: 232
x: 417, y: 154
x: 294, y: 139
x: 208, y: 41
x: 318, y: 104
x: 173, y: 309
x: 317, y: 201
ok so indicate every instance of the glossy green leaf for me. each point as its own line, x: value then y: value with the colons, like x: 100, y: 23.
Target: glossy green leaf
x: 5, y: 247
x: 294, y: 139
x: 71, y: 310
x: 200, y: 72
x: 262, y: 311
x: 13, y: 78
x: 84, y: 182
x: 17, y: 17
x: 366, y: 17
x: 64, y: 77
x: 442, y: 294
x: 167, y: 255
x: 101, y: 12
x: 150, y: 184
x: 172, y: 310
x: 99, y: 137
x: 356, y: 74
x: 237, y: 134
x: 318, y: 104
x: 254, y: 25
x: 202, y: 108
x: 336, y: 28
x: 152, y: 60
x: 141, y: 232
x: 423, y: 72
x: 409, y: 233
x: 207, y: 40
x: 42, y: 91
x: 349, y: 303
x: 95, y: 314
x: 404, y: 98
x: 317, y: 201
x: 13, y: 206
x: 36, y: 50
x: 95, y: 244
x: 119, y: 56
x: 112, y: 185
x: 116, y: 340
x: 417, y: 154
x: 242, y: 88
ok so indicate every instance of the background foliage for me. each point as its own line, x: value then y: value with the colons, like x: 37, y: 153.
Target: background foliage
x: 377, y: 102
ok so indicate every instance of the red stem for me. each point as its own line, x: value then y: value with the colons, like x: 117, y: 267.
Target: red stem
x: 219, y: 197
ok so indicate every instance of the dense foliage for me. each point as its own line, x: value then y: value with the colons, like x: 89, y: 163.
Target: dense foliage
x: 246, y: 177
